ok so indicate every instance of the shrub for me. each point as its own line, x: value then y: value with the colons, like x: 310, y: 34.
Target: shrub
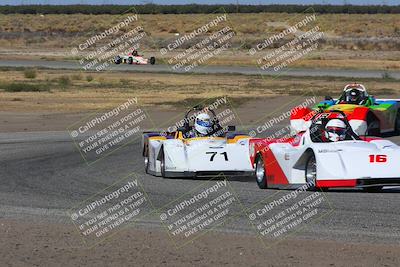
x: 124, y: 82
x: 89, y: 78
x: 24, y: 87
x: 64, y: 81
x: 30, y: 73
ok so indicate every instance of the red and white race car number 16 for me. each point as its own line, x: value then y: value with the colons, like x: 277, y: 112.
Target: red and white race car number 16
x: 377, y: 158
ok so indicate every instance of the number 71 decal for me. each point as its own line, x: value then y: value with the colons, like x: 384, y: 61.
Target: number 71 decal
x: 377, y: 158
x: 215, y: 153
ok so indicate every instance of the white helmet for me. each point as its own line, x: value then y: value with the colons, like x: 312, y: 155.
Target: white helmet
x: 202, y: 123
x: 335, y: 130
x: 355, y: 93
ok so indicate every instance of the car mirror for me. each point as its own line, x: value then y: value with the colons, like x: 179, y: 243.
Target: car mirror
x: 198, y: 107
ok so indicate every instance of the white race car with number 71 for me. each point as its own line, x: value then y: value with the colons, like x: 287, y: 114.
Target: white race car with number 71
x: 329, y: 154
x: 205, y: 151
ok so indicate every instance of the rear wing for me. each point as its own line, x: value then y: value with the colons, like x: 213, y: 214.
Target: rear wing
x: 383, y: 100
x: 376, y: 99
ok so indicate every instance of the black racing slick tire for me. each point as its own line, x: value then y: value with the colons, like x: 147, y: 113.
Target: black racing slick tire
x: 130, y: 60
x: 162, y: 162
x: 117, y: 60
x: 260, y: 173
x: 373, y: 125
x: 146, y: 164
x: 311, y: 172
x: 397, y: 123
x: 152, y: 60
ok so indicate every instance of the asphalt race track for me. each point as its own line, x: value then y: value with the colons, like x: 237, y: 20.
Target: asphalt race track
x: 295, y: 72
x: 43, y: 175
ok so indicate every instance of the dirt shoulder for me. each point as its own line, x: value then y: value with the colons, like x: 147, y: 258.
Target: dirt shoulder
x: 32, y: 121
x: 39, y: 244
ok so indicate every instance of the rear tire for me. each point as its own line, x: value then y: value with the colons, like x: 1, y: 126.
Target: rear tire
x: 311, y: 172
x: 397, y: 123
x: 260, y: 173
x: 130, y: 60
x: 371, y: 120
x: 117, y: 60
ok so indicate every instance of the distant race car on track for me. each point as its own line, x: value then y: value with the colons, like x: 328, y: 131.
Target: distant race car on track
x: 365, y: 114
x: 134, y: 58
x: 202, y: 149
x: 328, y: 154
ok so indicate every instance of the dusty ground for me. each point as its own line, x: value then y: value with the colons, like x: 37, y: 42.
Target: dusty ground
x: 13, y: 121
x: 38, y: 244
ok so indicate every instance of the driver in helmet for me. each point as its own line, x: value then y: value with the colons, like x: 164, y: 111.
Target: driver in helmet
x: 355, y: 95
x: 335, y: 130
x: 202, y: 125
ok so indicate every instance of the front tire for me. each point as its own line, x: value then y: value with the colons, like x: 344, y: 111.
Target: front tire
x: 130, y: 60
x: 152, y: 60
x: 162, y: 162
x: 260, y: 173
x: 311, y: 172
x: 146, y: 164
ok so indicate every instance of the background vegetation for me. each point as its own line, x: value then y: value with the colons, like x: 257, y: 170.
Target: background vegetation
x: 195, y: 8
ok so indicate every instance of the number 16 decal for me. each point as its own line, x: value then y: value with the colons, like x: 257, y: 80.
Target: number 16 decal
x: 377, y: 158
x: 215, y: 153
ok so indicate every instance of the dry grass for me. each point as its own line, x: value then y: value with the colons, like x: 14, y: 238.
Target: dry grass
x: 346, y: 25
x: 161, y: 90
x: 65, y: 31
